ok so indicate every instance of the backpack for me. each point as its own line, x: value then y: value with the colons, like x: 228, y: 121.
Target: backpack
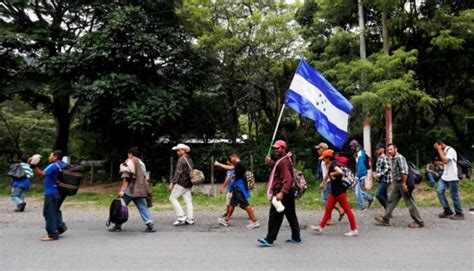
x: 465, y: 164
x: 69, y: 179
x: 348, y: 179
x: 299, y: 185
x: 118, y: 213
x: 414, y: 176
x: 16, y: 171
x: 250, y: 178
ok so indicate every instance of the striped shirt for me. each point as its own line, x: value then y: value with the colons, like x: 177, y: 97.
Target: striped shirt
x: 28, y: 171
x: 400, y: 167
x: 384, y: 168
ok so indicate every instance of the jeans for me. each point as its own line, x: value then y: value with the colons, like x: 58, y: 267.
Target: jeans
x: 432, y: 178
x: 276, y: 219
x: 360, y: 195
x: 18, y: 195
x: 51, y: 214
x: 395, y: 196
x: 177, y: 192
x: 325, y: 193
x: 453, y: 190
x: 381, y: 193
x: 141, y: 206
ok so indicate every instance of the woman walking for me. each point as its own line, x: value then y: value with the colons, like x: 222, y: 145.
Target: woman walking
x: 338, y: 194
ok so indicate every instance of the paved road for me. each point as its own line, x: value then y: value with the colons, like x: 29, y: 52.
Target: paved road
x: 441, y: 245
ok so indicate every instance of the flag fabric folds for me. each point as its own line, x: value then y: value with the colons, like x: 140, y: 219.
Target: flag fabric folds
x: 312, y: 96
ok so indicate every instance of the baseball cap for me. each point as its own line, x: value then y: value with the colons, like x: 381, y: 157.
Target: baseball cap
x: 326, y: 154
x: 322, y: 145
x: 181, y: 146
x: 279, y: 144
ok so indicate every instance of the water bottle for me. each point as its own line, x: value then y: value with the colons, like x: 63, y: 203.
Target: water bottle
x: 278, y: 205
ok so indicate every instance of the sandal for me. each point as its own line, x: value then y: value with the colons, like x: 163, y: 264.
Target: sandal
x: 341, y: 215
x: 264, y: 242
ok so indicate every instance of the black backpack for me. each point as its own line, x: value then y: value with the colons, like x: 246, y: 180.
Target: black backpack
x: 414, y: 176
x: 465, y: 165
x: 118, y: 213
x: 69, y: 179
x: 16, y: 171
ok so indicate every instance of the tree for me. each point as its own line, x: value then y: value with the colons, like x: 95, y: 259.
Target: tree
x: 255, y: 43
x: 39, y: 38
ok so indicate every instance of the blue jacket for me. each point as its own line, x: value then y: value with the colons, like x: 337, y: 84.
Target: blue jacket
x: 361, y: 170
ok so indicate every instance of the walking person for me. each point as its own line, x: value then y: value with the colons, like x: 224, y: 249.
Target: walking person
x: 449, y: 179
x: 337, y: 195
x: 53, y: 200
x: 240, y: 192
x: 180, y: 186
x: 325, y: 181
x: 280, y: 186
x: 227, y: 185
x: 135, y: 187
x: 21, y: 185
x: 383, y: 172
x: 399, y: 191
x: 361, y: 174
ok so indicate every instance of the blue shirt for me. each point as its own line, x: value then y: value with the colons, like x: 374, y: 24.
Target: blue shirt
x: 52, y: 173
x: 25, y: 182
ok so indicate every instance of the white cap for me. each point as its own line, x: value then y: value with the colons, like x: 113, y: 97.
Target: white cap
x: 182, y: 147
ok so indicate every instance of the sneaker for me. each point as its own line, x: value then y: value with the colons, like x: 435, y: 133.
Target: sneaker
x: 415, y: 225
x: 380, y: 221
x: 370, y: 203
x: 445, y: 215
x: 253, y: 225
x: 149, y: 228
x: 458, y: 217
x: 223, y: 221
x: 62, y: 230
x: 180, y: 221
x: 330, y: 222
x: 352, y: 233
x: 362, y: 209
x: 189, y: 221
x: 293, y: 241
x: 48, y: 238
x: 317, y: 229
x: 264, y: 242
x: 116, y: 228
x: 21, y: 207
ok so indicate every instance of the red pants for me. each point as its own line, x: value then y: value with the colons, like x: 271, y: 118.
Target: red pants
x: 344, y: 202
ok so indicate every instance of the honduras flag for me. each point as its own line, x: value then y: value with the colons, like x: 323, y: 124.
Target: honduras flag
x: 313, y: 97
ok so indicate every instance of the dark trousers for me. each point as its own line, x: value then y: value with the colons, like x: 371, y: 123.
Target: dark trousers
x: 276, y: 218
x: 52, y: 214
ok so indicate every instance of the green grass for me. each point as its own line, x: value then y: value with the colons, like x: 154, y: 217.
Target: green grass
x: 424, y: 194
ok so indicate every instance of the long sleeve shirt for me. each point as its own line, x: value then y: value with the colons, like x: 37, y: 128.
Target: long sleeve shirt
x: 383, y: 167
x: 182, y: 173
x: 283, y: 178
x: 400, y: 167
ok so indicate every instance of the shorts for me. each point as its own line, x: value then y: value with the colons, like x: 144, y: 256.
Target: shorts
x: 238, y: 199
x: 228, y: 198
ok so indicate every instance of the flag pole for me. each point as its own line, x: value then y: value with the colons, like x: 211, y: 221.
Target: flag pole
x: 276, y: 129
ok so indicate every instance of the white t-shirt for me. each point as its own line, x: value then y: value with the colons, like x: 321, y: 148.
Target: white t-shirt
x: 450, y: 169
x: 324, y: 169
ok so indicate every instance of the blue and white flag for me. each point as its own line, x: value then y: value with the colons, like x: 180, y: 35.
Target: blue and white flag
x: 312, y: 96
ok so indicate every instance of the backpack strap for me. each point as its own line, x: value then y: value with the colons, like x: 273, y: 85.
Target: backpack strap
x: 189, y: 165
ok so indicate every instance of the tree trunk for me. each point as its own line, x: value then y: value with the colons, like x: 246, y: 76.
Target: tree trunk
x: 63, y: 122
x: 386, y: 45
